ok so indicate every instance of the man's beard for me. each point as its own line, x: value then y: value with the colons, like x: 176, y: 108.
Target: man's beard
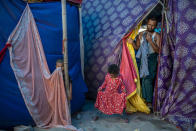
x: 149, y: 30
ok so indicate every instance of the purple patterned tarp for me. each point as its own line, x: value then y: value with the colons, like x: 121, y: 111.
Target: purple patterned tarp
x: 177, y: 75
x: 105, y: 22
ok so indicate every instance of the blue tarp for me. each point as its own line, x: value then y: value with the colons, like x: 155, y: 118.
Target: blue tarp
x: 13, y: 111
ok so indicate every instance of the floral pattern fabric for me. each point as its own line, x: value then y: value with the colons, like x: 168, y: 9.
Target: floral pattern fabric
x: 111, y: 96
x: 176, y: 91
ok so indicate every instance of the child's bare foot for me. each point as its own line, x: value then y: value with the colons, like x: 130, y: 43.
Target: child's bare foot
x: 96, y: 118
x: 126, y: 120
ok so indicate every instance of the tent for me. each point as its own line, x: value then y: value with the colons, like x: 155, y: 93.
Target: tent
x: 49, y: 22
x: 105, y: 23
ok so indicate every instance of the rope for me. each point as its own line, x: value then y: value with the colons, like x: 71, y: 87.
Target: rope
x: 164, y: 12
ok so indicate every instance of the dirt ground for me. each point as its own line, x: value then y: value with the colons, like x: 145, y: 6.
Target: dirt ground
x: 86, y: 119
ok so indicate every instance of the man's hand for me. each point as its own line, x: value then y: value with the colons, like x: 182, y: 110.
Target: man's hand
x: 155, y: 45
x: 149, y: 37
x: 130, y: 41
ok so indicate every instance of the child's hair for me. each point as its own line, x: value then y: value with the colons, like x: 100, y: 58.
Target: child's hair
x: 59, y: 61
x: 113, y: 69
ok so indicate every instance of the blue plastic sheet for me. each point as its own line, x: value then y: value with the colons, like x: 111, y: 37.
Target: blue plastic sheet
x: 48, y: 18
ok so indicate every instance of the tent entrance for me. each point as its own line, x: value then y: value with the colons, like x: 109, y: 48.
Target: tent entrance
x: 133, y: 34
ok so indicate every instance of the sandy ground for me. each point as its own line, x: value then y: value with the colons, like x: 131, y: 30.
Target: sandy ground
x: 85, y: 119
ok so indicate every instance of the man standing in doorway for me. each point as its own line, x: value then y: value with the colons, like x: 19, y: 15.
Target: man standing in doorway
x: 147, y: 44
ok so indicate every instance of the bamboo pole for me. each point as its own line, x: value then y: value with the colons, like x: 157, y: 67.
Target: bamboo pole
x: 64, y: 15
x: 156, y: 84
x: 81, y: 42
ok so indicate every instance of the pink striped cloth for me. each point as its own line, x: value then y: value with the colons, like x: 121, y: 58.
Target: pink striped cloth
x: 43, y: 92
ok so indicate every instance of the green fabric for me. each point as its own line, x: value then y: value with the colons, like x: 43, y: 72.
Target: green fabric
x: 148, y: 81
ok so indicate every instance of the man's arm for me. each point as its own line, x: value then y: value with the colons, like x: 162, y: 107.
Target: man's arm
x: 138, y: 40
x: 137, y: 44
x: 156, y: 45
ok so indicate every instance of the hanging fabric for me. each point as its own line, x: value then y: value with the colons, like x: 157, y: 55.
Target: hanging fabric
x: 130, y: 78
x: 176, y: 92
x: 132, y: 53
x: 43, y: 92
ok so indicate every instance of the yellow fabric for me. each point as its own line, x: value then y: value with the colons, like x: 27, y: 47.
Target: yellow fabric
x: 135, y: 31
x: 134, y: 101
x: 129, y: 96
x: 132, y: 52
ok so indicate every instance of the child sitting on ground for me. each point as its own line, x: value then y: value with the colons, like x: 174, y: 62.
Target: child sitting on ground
x: 111, y: 95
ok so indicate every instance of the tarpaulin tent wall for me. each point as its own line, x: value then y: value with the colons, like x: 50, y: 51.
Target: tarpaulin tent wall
x: 106, y: 22
x: 49, y: 22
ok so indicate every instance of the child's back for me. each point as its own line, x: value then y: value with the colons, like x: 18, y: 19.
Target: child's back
x: 111, y: 95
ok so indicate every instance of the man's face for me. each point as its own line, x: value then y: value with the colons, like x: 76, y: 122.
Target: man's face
x: 151, y: 25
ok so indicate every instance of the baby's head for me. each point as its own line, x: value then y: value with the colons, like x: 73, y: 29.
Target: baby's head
x: 113, y: 70
x: 59, y: 63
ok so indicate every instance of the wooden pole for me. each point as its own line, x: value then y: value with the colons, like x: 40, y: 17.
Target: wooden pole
x: 156, y: 83
x: 81, y: 42
x: 64, y: 15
